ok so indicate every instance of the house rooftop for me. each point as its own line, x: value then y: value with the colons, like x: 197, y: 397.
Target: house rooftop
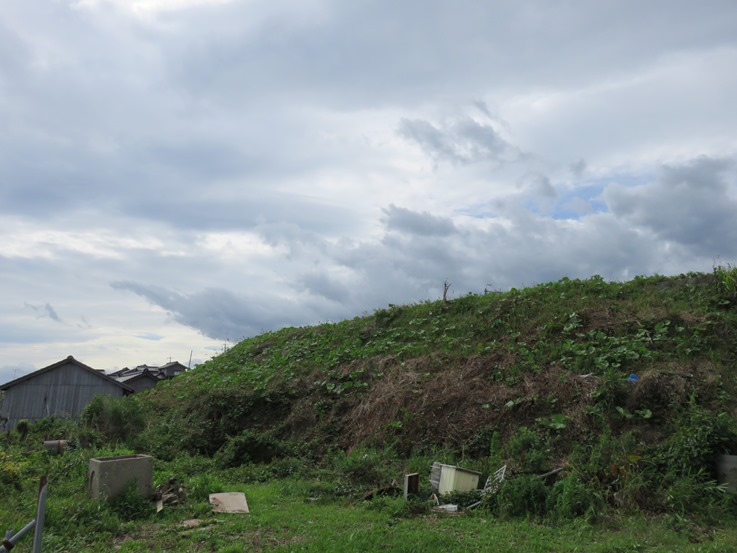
x: 69, y: 360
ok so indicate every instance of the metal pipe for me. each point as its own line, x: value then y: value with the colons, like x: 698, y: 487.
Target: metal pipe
x: 8, y: 535
x: 40, y: 514
x: 15, y: 539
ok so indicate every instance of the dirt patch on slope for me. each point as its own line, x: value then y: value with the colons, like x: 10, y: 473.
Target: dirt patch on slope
x: 453, y: 406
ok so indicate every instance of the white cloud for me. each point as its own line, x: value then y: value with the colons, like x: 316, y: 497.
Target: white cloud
x: 145, y: 8
x: 235, y: 166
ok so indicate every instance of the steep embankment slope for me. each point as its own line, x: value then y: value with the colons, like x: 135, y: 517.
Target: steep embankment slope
x: 554, y: 358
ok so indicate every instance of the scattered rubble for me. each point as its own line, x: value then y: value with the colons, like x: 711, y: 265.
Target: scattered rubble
x: 168, y: 493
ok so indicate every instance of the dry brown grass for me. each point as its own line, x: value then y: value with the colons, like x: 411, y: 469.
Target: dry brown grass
x: 453, y: 405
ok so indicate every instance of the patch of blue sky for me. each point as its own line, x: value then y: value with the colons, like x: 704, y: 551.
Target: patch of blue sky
x: 579, y: 202
x: 150, y: 336
x: 587, y: 197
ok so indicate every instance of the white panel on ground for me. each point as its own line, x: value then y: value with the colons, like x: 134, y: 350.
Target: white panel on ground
x: 229, y: 502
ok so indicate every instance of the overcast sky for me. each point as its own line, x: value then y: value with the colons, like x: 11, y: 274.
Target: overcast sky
x: 176, y: 175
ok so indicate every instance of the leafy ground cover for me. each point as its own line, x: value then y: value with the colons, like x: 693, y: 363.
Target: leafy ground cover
x: 446, y: 373
x: 306, y: 512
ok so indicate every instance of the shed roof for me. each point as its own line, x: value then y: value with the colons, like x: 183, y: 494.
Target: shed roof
x: 174, y: 364
x: 130, y: 376
x: 67, y: 361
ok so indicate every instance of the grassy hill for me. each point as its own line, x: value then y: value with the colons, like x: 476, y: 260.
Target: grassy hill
x: 555, y: 358
x: 629, y: 388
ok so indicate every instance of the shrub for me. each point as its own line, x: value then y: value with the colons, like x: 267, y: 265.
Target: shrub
x: 131, y: 505
x: 117, y: 419
x: 10, y: 471
x: 698, y: 439
x: 523, y: 496
x: 201, y: 486
x: 286, y: 467
x: 527, y: 451
x: 367, y: 467
x: 570, y: 498
x: 608, y: 458
x: 248, y: 447
x: 725, y: 279
x: 693, y: 493
x: 22, y: 428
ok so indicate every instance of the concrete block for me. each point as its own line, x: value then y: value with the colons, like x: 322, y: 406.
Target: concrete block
x: 110, y: 476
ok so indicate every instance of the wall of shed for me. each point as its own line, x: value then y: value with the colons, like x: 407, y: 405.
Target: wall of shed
x: 62, y: 392
x: 141, y: 384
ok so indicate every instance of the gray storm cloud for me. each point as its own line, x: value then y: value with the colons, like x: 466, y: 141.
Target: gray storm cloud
x: 464, y: 141
x: 418, y: 251
x: 232, y: 167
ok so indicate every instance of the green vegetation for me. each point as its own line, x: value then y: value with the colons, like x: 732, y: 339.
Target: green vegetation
x: 317, y: 425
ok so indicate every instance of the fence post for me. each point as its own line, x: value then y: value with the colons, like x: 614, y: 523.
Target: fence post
x: 40, y: 514
x: 10, y: 540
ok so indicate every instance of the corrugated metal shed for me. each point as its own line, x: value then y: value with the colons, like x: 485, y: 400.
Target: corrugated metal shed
x: 63, y: 390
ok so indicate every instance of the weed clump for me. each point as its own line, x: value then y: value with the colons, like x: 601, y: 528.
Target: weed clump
x: 365, y: 467
x: 570, y: 498
x: 11, y: 471
x: 116, y: 420
x: 248, y: 447
x: 725, y: 280
x: 131, y: 505
x: 524, y: 496
x: 528, y: 451
x: 22, y: 428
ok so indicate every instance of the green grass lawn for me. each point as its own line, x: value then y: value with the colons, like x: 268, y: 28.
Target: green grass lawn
x: 283, y: 518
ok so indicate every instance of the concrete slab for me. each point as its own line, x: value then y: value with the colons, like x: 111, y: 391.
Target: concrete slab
x: 229, y: 502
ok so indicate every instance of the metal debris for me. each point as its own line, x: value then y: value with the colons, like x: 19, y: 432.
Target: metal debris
x: 168, y: 493
x: 448, y: 508
x: 492, y: 484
